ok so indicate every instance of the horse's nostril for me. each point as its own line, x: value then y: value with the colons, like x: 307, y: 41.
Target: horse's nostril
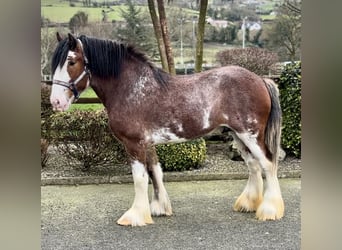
x: 55, y: 102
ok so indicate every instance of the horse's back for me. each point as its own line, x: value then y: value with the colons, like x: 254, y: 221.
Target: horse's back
x: 233, y: 85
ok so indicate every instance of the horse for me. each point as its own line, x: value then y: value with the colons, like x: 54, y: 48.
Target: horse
x: 147, y: 106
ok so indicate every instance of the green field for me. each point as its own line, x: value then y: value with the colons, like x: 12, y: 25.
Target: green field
x: 92, y: 106
x: 61, y: 12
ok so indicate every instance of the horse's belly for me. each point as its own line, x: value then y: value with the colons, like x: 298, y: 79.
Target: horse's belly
x: 165, y: 135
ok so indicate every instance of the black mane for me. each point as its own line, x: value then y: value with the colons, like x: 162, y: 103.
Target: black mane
x: 105, y: 57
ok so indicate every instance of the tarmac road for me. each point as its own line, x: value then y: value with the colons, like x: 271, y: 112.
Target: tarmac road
x: 84, y: 217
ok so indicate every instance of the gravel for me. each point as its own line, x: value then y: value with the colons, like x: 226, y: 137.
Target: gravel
x: 217, y: 163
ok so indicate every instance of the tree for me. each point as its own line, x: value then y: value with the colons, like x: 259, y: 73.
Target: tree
x: 80, y: 19
x: 236, y: 13
x: 257, y: 60
x: 200, y: 35
x: 166, y: 38
x: 256, y: 38
x: 158, y: 34
x: 136, y: 30
x: 46, y: 43
x: 87, y: 3
x: 284, y: 35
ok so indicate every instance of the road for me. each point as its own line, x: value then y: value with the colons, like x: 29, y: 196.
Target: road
x: 83, y: 217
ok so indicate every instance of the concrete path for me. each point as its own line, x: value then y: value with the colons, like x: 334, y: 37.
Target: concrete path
x: 84, y: 217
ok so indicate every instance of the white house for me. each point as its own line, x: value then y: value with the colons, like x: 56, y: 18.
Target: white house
x: 252, y: 26
x: 217, y: 23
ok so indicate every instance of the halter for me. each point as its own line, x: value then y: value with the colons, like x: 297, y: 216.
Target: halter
x: 71, y: 85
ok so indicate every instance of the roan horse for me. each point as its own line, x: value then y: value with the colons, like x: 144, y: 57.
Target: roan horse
x: 147, y: 106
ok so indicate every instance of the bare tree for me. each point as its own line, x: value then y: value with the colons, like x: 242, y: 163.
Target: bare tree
x: 158, y: 34
x: 200, y: 35
x: 292, y: 6
x: 47, y: 45
x: 285, y: 34
x: 166, y: 37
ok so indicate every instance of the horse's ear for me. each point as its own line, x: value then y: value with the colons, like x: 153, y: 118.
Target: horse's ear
x: 72, y: 42
x: 59, y: 38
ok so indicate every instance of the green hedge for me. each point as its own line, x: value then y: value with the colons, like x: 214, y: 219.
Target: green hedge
x: 182, y: 156
x: 84, y: 136
x: 290, y: 101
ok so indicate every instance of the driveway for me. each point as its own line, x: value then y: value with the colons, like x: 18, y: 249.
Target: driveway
x: 84, y: 217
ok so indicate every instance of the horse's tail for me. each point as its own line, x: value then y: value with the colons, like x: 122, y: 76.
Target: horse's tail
x: 273, y: 129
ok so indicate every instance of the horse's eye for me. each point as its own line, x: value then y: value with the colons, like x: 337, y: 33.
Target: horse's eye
x: 71, y: 63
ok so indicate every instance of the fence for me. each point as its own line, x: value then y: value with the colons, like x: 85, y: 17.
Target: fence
x: 82, y: 100
x: 90, y: 100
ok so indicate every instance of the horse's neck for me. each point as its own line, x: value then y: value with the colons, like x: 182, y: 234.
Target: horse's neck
x: 114, y: 91
x: 102, y: 89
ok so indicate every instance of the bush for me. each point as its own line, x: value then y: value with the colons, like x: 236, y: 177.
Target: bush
x: 45, y: 105
x: 290, y: 101
x: 44, y: 156
x: 257, y: 60
x: 85, y: 136
x: 45, y: 112
x: 182, y: 156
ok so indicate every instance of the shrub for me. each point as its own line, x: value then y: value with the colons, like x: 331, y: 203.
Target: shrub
x: 45, y: 112
x: 84, y: 136
x: 290, y: 100
x: 257, y: 60
x: 44, y: 144
x: 182, y: 156
x: 45, y: 106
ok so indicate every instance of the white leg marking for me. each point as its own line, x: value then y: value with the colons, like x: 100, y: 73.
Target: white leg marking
x: 139, y: 214
x: 161, y: 204
x: 272, y: 206
x: 251, y: 197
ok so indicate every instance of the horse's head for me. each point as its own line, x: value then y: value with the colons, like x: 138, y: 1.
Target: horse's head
x: 70, y: 73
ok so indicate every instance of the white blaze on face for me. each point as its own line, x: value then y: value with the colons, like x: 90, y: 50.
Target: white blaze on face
x: 59, y: 97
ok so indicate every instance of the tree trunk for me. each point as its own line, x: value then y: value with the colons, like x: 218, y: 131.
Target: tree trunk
x: 166, y: 37
x: 45, y: 45
x: 158, y: 34
x: 200, y: 35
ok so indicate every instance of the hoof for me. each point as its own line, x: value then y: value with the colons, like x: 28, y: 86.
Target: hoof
x: 246, y: 204
x: 135, y: 218
x: 159, y: 208
x: 270, y: 210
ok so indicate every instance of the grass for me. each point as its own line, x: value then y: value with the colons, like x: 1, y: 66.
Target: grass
x: 267, y: 17
x: 91, y: 106
x: 89, y: 93
x: 63, y: 14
